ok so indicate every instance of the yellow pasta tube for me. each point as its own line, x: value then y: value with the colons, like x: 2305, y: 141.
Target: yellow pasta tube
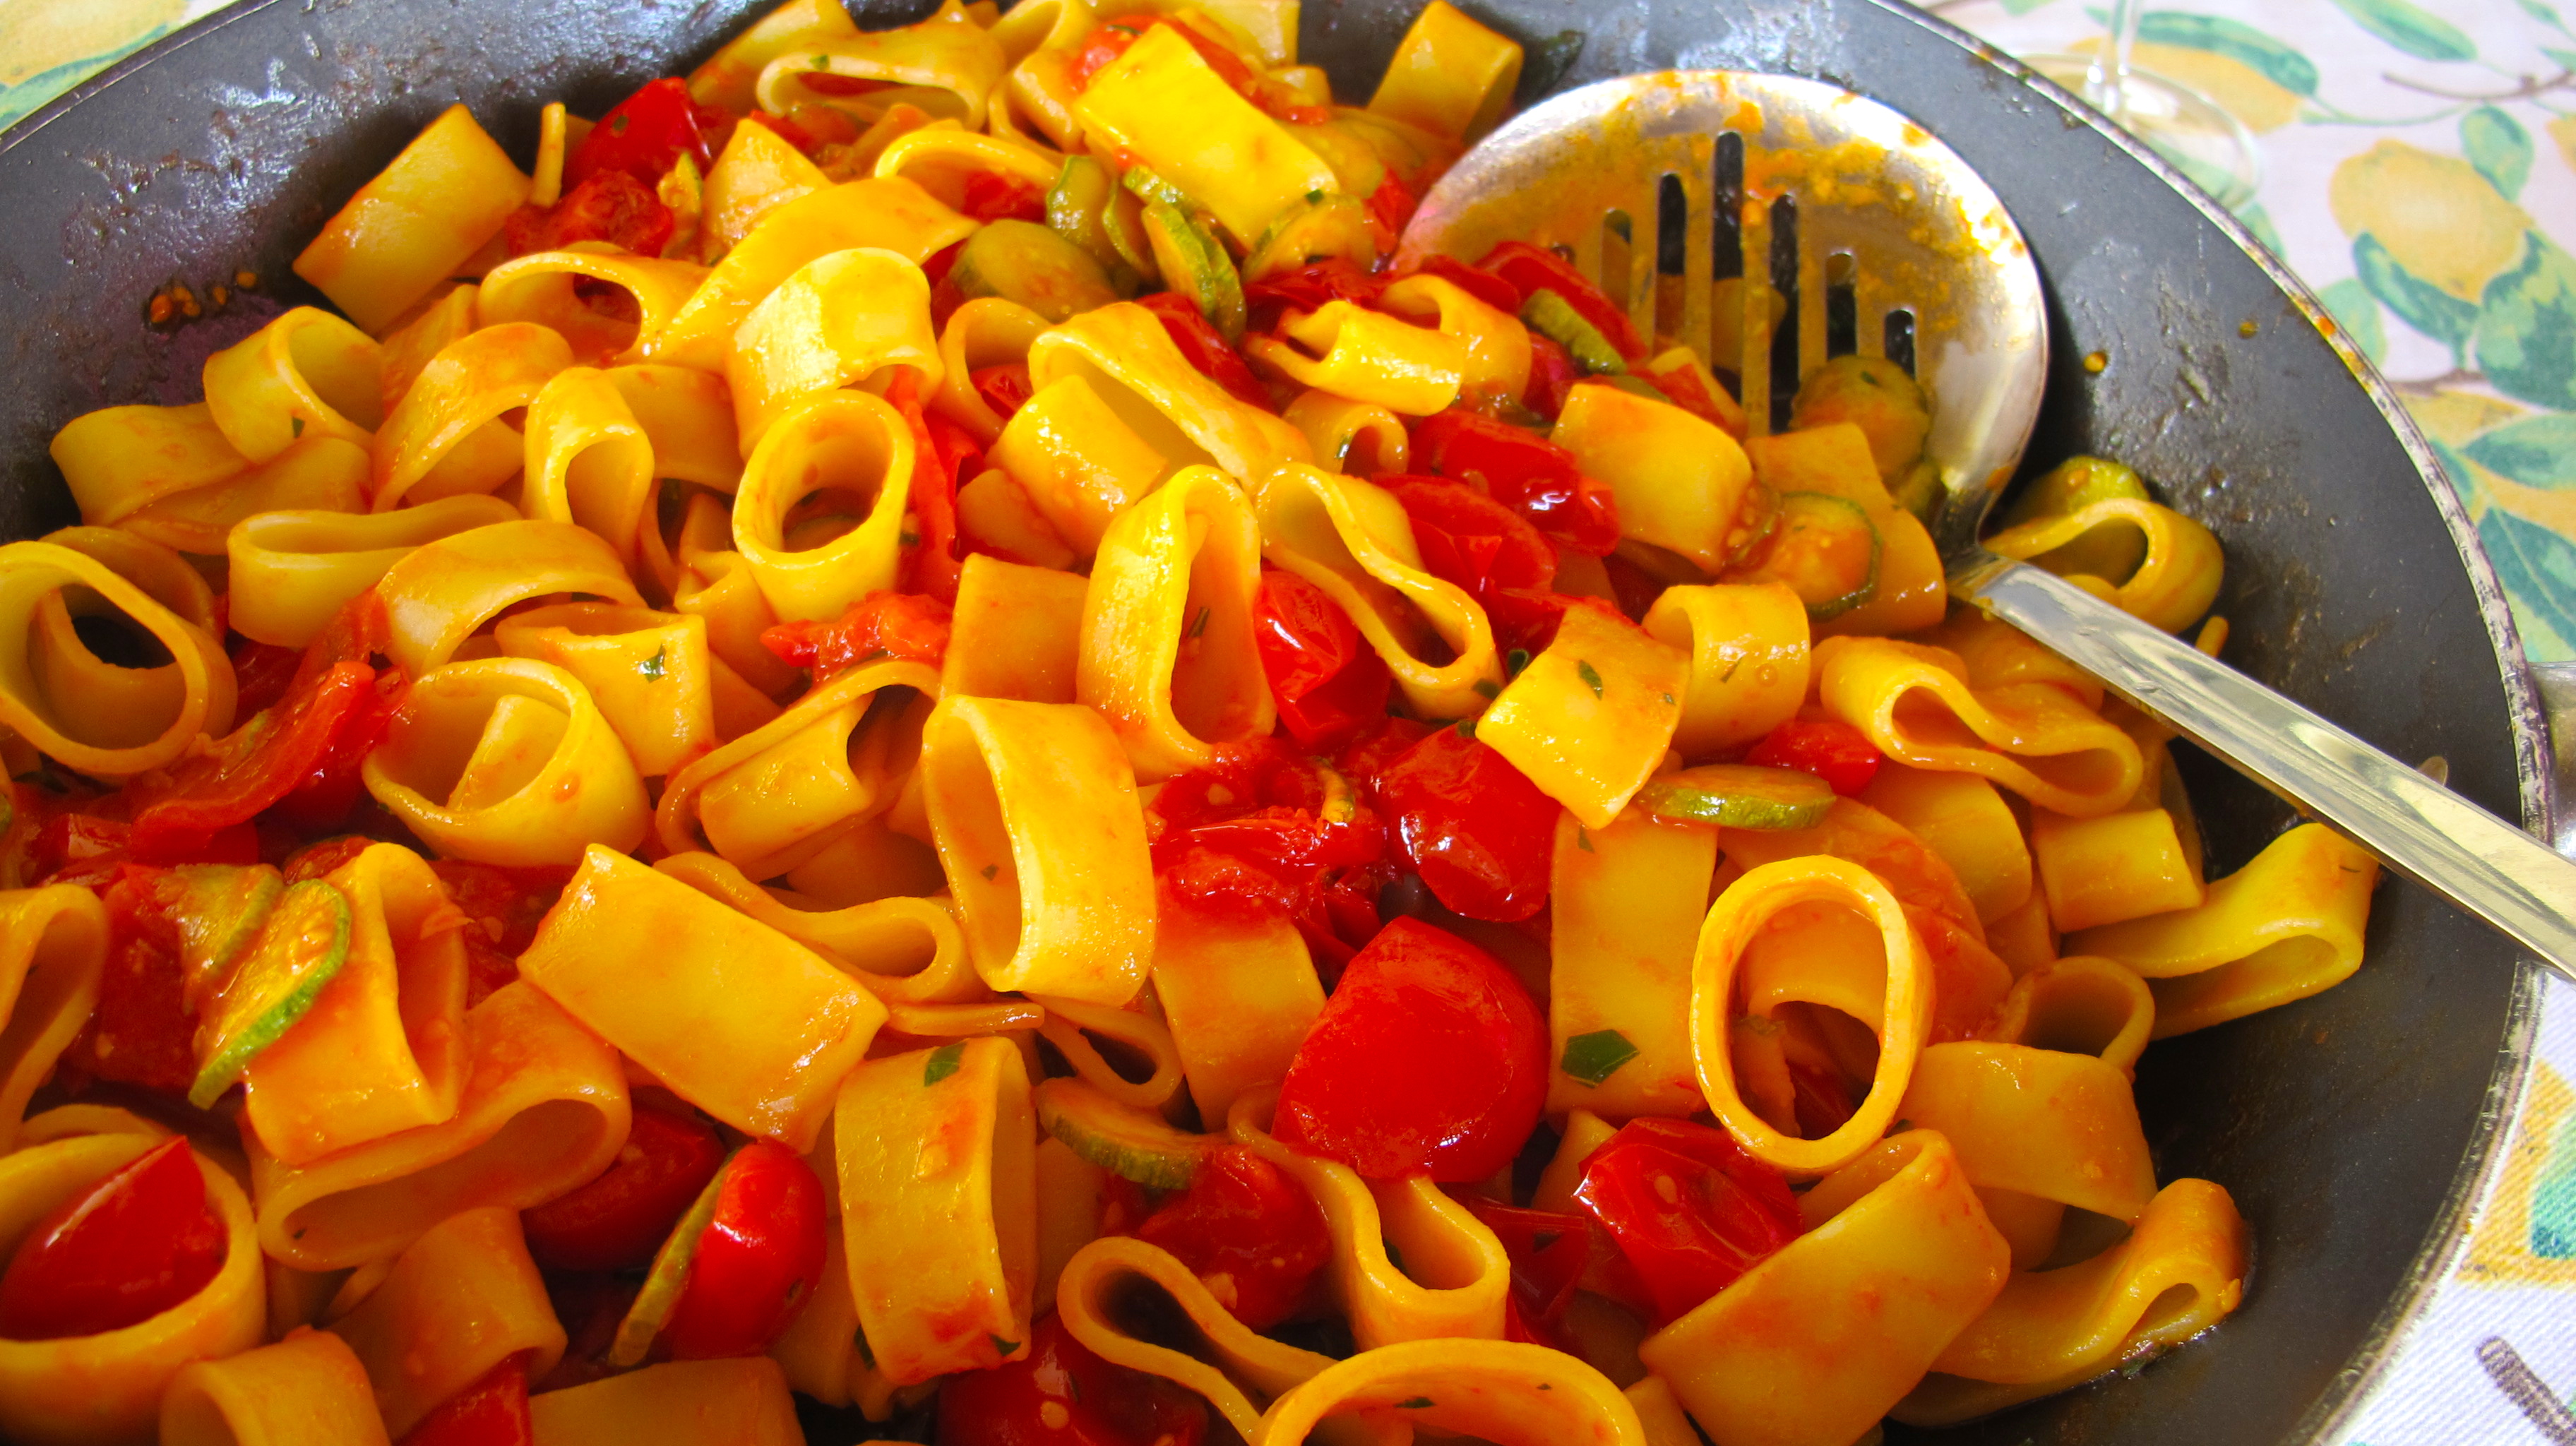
x: 985, y: 331
x: 905, y: 950
x: 795, y: 779
x: 293, y: 571
x: 460, y: 1300
x: 1497, y: 345
x: 1352, y: 539
x: 841, y: 470
x: 414, y: 224
x: 318, y: 473
x: 1239, y: 992
x: 440, y: 593
x: 1897, y: 1259
x: 2024, y: 939
x: 1167, y: 653
x: 1136, y: 1032
x: 2180, y: 1271
x: 446, y: 436
x: 1367, y: 356
x: 937, y: 1156
x: 88, y: 733
x: 1449, y: 75
x: 1627, y: 904
x: 119, y: 460
x: 382, y: 1049
x: 507, y: 761
x: 541, y: 287
x: 441, y: 323
x: 2030, y: 737
x: 1748, y: 906
x: 1508, y: 1392
x: 2170, y: 589
x: 1244, y: 167
x: 1360, y: 439
x: 1122, y: 350
x: 939, y: 159
x: 649, y: 673
x: 1236, y: 1370
x: 896, y: 216
x: 1034, y: 809
x: 687, y: 416
x: 1016, y: 633
x: 728, y: 77
x: 1998, y: 654
x: 2287, y: 925
x: 1039, y: 25
x: 545, y: 1110
x: 306, y: 1390
x: 1070, y: 1191
x: 307, y: 373
x: 742, y: 1401
x: 2083, y: 1005
x: 735, y: 1017
x: 2116, y: 867
x: 944, y: 67
x: 1681, y: 483
x: 587, y: 461
x: 819, y: 1352
x: 1591, y: 716
x: 1075, y: 460
x: 2041, y: 1122
x: 1962, y: 818
x: 757, y: 172
x: 839, y: 320
x: 1748, y: 660
x: 80, y: 1390
x: 1455, y: 1274
x: 53, y: 948
x: 164, y: 576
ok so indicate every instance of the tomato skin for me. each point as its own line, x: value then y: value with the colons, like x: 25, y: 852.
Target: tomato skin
x: 1553, y: 1254
x: 1829, y: 748
x: 1005, y: 388
x: 1552, y: 374
x: 1490, y: 551
x: 1429, y: 1057
x: 1688, y: 1206
x: 992, y: 196
x: 1248, y: 1231
x: 609, y: 206
x: 1204, y: 348
x: 1535, y: 269
x: 1328, y: 682
x: 617, y: 1220
x: 1523, y: 471
x: 261, y: 674
x: 759, y: 1260
x: 493, y: 1411
x: 1267, y: 847
x: 1060, y: 1394
x: 140, y: 1032
x: 116, y: 1254
x: 1307, y: 288
x: 503, y: 906
x: 1485, y: 286
x: 942, y: 454
x: 647, y: 134
x: 1475, y: 828
x: 882, y: 624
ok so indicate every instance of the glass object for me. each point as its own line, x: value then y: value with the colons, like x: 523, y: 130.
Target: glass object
x: 2184, y: 126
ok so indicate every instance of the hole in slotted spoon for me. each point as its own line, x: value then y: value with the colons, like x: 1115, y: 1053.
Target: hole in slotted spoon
x: 1618, y: 236
x: 1900, y: 339
x: 1726, y: 205
x: 1784, y: 337
x: 1842, y: 308
x: 1672, y: 227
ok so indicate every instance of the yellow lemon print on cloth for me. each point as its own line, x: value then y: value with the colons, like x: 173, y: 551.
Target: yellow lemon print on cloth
x: 2527, y: 1235
x: 2437, y: 217
x: 47, y: 48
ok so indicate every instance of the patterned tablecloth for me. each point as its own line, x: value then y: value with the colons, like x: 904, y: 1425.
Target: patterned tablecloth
x: 2419, y: 170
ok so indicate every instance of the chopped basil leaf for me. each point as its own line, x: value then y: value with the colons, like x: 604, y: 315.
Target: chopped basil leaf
x: 1414, y: 1404
x: 1002, y: 1346
x: 1485, y: 688
x: 944, y: 1062
x: 1584, y: 671
x: 1583, y: 838
x: 1515, y: 660
x: 295, y: 426
x: 654, y: 666
x: 991, y: 871
x: 1199, y: 624
x: 1467, y: 728
x: 1595, y: 1057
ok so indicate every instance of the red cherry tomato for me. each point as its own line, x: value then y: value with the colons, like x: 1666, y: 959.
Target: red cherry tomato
x: 1534, y: 269
x: 1428, y: 1057
x: 1204, y: 348
x: 116, y: 1254
x: 1832, y: 750
x: 1478, y: 831
x: 992, y: 196
x: 1248, y: 1231
x: 609, y: 206
x: 1523, y: 471
x: 647, y: 134
x: 882, y: 624
x: 1389, y: 207
x: 1004, y: 388
x: 1328, y: 682
x: 1308, y: 288
x: 1060, y: 1394
x: 1260, y: 828
x: 1552, y: 372
x: 493, y: 1411
x: 617, y: 1221
x: 139, y: 1032
x: 1553, y: 1254
x: 759, y: 1260
x: 943, y: 454
x: 505, y: 905
x: 1690, y: 1209
x: 1486, y: 548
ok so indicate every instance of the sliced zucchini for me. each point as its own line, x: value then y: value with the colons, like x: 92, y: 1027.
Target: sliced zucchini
x: 2111, y: 553
x: 1321, y: 227
x: 1341, y: 803
x: 299, y: 949
x: 669, y: 1276
x: 1025, y: 262
x: 1555, y: 318
x: 1120, y: 1138
x: 1194, y: 264
x: 1636, y: 385
x: 219, y: 908
x: 1148, y: 187
x: 1826, y: 549
x: 1739, y: 795
x: 1079, y: 209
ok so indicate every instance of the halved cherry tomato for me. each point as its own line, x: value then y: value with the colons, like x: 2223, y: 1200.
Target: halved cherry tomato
x: 617, y: 1221
x: 1328, y: 682
x: 1478, y: 831
x: 1389, y: 207
x: 1534, y: 269
x: 1259, y: 828
x: 261, y: 675
x: 1204, y: 348
x: 139, y: 1032
x: 992, y: 196
x: 503, y: 906
x: 1689, y: 1207
x: 1829, y: 748
x: 1429, y: 1057
x: 1308, y: 288
x: 647, y: 134
x: 1489, y: 550
x: 1552, y: 373
x: 1004, y: 388
x: 1553, y: 1254
x: 882, y: 624
x: 1060, y: 1394
x: 116, y: 1254
x: 759, y: 1260
x: 493, y: 1411
x: 1523, y: 471
x: 1251, y: 1234
x: 611, y: 206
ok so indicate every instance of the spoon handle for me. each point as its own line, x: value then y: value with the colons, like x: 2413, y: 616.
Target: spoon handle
x: 2416, y: 826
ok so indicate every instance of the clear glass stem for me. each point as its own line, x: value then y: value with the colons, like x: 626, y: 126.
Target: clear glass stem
x: 2106, y: 84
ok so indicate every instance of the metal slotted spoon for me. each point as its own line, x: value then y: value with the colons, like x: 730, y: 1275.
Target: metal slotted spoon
x: 1662, y: 187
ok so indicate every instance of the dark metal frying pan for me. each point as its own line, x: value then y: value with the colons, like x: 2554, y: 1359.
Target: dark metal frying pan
x: 2349, y: 1127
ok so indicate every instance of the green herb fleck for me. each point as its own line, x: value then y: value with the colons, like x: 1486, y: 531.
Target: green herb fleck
x: 44, y: 777
x: 822, y: 62
x: 1584, y: 671
x: 909, y: 539
x: 1003, y: 1347
x: 1583, y: 838
x: 859, y: 1343
x: 1515, y: 660
x: 1900, y: 1127
x: 990, y: 871
x: 654, y: 666
x: 1668, y: 700
x: 1595, y: 1057
x: 295, y: 426
x: 1414, y: 1404
x: 1486, y: 688
x: 1467, y: 728
x: 617, y: 124
x: 1729, y: 675
x: 943, y: 1063
x: 1199, y: 624
x: 1314, y: 198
